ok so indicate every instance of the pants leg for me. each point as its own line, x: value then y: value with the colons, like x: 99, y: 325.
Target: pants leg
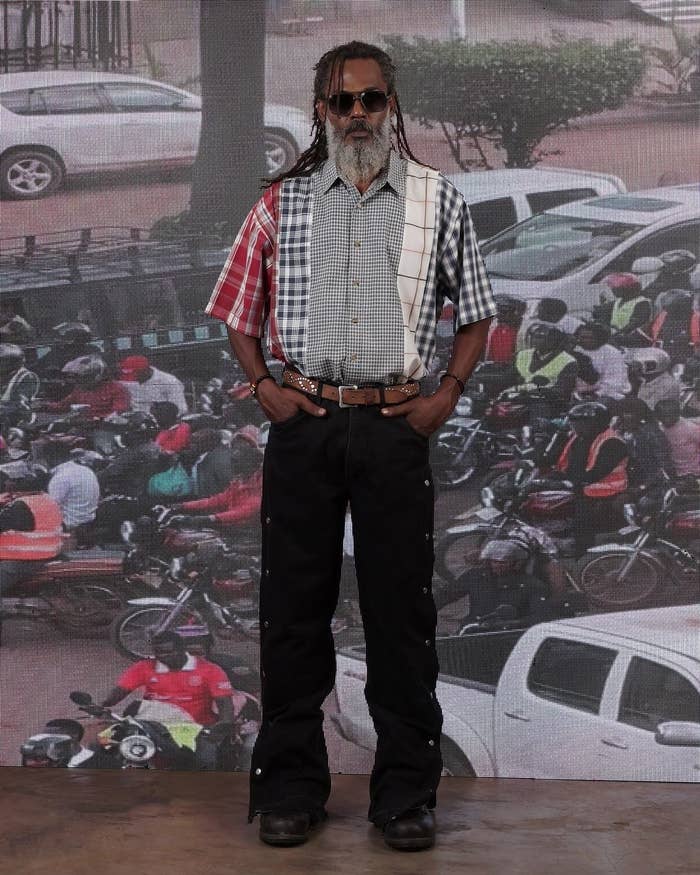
x: 302, y: 514
x: 392, y: 504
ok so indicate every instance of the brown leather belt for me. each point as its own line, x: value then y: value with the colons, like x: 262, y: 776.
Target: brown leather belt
x: 351, y: 396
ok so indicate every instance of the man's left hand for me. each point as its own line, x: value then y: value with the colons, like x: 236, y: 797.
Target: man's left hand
x: 427, y: 413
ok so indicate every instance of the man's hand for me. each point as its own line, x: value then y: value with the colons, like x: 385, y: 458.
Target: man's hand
x: 426, y: 414
x: 281, y: 402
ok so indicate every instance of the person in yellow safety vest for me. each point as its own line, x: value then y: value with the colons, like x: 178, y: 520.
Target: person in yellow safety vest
x: 629, y: 314
x: 30, y: 527
x: 547, y: 364
x: 594, y: 459
x: 676, y: 327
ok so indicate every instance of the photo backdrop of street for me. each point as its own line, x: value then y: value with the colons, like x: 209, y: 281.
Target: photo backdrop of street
x: 134, y: 137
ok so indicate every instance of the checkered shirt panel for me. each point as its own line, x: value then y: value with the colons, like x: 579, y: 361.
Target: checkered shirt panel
x: 352, y: 285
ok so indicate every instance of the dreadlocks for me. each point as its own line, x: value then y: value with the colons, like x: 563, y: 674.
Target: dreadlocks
x: 328, y: 70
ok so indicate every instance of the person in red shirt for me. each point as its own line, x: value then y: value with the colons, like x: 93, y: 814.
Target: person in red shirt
x: 174, y: 436
x: 93, y: 388
x: 176, y: 677
x: 503, y: 331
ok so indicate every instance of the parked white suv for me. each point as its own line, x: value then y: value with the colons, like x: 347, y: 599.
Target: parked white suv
x: 61, y: 122
x: 498, y: 199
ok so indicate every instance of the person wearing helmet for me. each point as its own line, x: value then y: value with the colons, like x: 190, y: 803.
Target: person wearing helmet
x: 503, y: 331
x: 69, y: 341
x: 18, y: 385
x: 629, y: 314
x: 651, y: 377
x: 13, y: 327
x: 92, y: 387
x: 147, y: 384
x: 610, y: 380
x: 547, y: 364
x: 676, y: 327
x: 30, y: 525
x: 649, y: 451
x: 140, y: 459
x: 594, y: 459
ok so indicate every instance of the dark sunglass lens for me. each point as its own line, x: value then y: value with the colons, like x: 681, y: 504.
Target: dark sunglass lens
x: 341, y: 103
x: 374, y: 101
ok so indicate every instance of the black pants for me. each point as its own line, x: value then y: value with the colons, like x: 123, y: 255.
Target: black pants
x: 313, y: 466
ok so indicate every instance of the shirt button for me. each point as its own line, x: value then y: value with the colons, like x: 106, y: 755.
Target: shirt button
x: 357, y: 244
x: 355, y: 283
x: 354, y: 320
x: 353, y: 357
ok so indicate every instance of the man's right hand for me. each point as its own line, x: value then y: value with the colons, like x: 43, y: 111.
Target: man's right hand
x: 281, y: 402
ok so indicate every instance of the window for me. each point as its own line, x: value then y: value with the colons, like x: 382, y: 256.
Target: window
x: 571, y: 673
x: 24, y: 102
x: 490, y: 217
x: 545, y: 200
x: 654, y: 693
x: 686, y: 236
x: 71, y: 99
x: 132, y: 97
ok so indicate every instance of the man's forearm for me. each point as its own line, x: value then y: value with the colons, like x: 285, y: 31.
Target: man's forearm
x: 248, y: 351
x: 467, y: 347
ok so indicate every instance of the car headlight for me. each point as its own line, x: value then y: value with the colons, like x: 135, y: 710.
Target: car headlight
x: 137, y: 748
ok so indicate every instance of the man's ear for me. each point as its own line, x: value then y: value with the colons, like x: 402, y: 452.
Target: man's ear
x: 321, y: 110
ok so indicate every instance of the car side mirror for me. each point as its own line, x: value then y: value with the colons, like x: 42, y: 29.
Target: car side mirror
x: 678, y: 733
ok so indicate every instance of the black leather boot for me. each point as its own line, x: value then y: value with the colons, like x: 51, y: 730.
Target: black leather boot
x: 411, y: 831
x: 286, y: 827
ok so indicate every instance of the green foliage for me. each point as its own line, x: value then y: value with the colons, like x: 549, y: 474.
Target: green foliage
x: 677, y: 62
x: 513, y: 93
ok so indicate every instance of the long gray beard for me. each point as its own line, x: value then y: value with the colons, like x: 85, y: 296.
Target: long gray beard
x: 361, y: 161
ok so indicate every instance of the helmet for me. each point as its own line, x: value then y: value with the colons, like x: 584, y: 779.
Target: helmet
x: 591, y: 411
x: 510, y: 304
x: 72, y: 331
x: 627, y: 282
x: 649, y: 360
x: 142, y: 425
x: 86, y: 368
x: 552, y: 338
x: 678, y: 260
x: 11, y: 356
x: 504, y: 550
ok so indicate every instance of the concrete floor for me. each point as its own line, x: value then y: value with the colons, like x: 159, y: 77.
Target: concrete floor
x: 80, y: 823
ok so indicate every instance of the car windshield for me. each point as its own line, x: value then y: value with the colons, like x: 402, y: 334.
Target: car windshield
x: 550, y: 246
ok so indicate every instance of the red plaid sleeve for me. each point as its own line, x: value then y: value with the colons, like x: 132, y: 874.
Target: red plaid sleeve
x: 241, y: 296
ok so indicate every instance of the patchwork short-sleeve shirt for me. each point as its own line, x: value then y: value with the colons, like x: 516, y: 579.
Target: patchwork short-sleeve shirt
x: 350, y: 286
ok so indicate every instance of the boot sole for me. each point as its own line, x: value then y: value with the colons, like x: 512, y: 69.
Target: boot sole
x: 415, y: 844
x: 282, y: 839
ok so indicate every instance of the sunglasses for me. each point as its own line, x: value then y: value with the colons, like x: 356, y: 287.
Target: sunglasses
x: 373, y: 100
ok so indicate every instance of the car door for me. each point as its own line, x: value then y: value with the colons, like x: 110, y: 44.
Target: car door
x: 547, y: 715
x: 682, y: 235
x: 650, y: 691
x: 152, y: 123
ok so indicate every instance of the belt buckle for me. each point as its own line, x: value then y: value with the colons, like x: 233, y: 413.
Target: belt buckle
x: 341, y: 403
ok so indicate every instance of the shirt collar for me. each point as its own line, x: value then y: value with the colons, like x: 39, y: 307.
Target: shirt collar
x: 394, y: 174
x: 190, y: 664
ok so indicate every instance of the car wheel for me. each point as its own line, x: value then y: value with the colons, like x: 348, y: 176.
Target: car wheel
x: 27, y: 174
x: 280, y: 152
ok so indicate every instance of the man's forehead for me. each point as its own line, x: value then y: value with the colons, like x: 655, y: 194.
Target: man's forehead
x: 359, y: 74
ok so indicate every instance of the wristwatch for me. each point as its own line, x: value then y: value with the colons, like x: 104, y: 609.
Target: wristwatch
x: 257, y: 381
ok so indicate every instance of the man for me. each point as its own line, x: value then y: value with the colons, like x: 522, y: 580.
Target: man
x: 683, y: 436
x: 147, y: 384
x: 75, y: 488
x: 18, y: 385
x: 92, y: 387
x: 629, y: 314
x: 651, y: 375
x: 503, y: 332
x: 649, y: 451
x: 13, y: 327
x: 594, y: 459
x: 132, y: 468
x: 611, y: 380
x: 177, y: 678
x: 351, y: 254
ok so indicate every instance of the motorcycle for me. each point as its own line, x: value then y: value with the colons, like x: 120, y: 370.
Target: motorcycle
x: 666, y: 548
x: 197, y: 602
x: 505, y: 617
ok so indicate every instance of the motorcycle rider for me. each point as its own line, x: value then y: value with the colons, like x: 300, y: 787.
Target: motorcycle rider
x: 141, y: 458
x: 75, y: 488
x: 503, y: 331
x: 30, y: 525
x: 178, y: 678
x: 683, y: 436
x: 13, y: 327
x: 71, y: 340
x: 92, y: 387
x: 650, y: 374
x: 676, y: 327
x: 18, y: 385
x: 549, y: 368
x: 608, y: 363
x: 147, y: 384
x: 594, y: 459
x: 649, y: 451
x: 629, y: 314
x: 174, y: 436
x: 238, y: 503
x: 200, y: 642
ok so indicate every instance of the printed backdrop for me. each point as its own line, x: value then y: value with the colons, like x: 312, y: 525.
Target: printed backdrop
x: 134, y: 135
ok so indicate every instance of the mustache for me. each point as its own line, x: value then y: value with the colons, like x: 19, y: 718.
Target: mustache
x: 359, y: 127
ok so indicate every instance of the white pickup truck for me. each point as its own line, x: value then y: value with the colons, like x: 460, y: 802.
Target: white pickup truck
x: 605, y: 697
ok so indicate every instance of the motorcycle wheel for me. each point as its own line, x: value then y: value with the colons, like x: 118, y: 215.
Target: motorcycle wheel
x: 457, y: 471
x: 598, y: 579
x: 455, y: 553
x: 86, y: 610
x: 131, y: 630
